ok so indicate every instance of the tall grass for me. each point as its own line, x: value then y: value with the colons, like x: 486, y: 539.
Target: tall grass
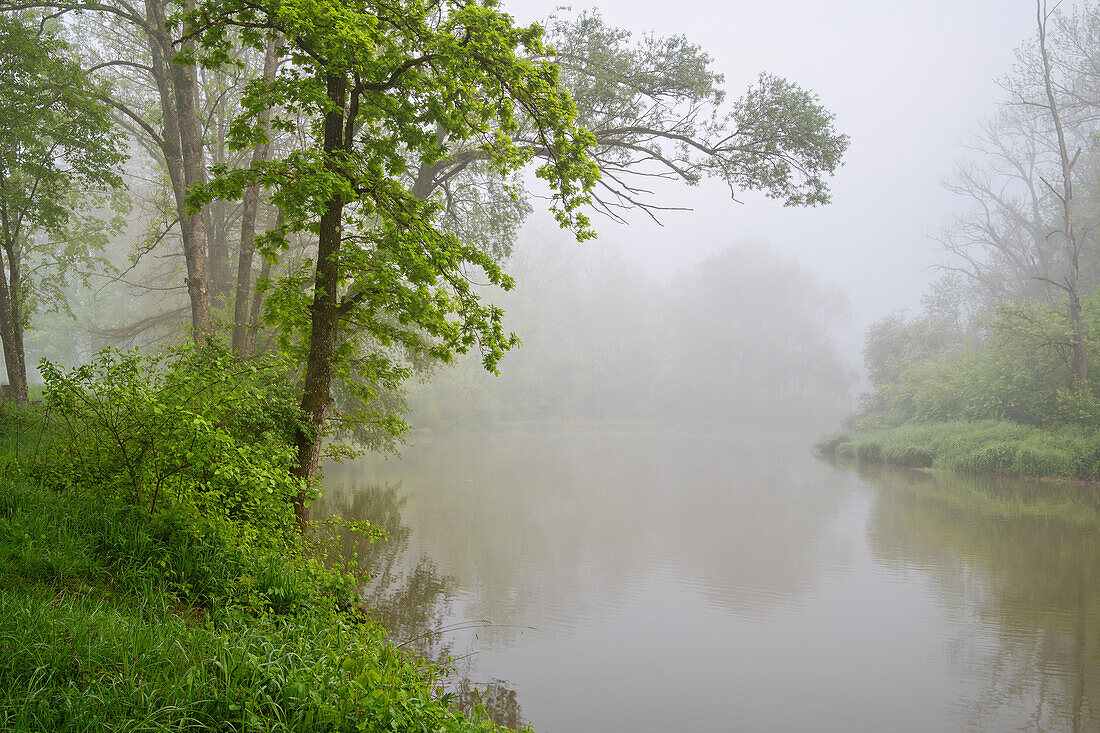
x: 116, y: 619
x: 991, y: 447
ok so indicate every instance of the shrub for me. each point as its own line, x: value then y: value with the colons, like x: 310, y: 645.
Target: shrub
x: 1086, y: 462
x: 199, y: 444
x: 1042, y: 461
x: 847, y: 450
x: 994, y: 458
x: 829, y: 445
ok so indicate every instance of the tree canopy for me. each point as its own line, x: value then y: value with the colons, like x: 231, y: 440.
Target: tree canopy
x: 385, y: 87
x: 59, y: 159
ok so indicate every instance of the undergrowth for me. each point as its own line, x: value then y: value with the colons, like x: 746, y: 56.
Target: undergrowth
x: 151, y: 576
x: 987, y: 447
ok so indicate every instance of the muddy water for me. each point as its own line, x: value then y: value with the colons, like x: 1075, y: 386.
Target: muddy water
x: 670, y: 581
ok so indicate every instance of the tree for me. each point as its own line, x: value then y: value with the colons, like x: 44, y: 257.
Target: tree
x: 1030, y: 231
x: 136, y: 40
x: 657, y: 111
x: 378, y: 84
x: 1064, y: 194
x: 59, y: 156
x: 748, y: 340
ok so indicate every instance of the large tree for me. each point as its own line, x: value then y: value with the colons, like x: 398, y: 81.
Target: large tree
x: 59, y: 157
x: 136, y: 52
x: 379, y: 83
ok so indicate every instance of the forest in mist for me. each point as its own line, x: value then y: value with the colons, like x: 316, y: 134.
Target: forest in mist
x: 110, y: 250
x: 168, y: 198
x: 746, y: 337
x: 1011, y: 329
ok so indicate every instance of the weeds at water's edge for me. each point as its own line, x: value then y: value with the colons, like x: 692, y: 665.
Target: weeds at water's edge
x: 112, y: 620
x: 1007, y: 449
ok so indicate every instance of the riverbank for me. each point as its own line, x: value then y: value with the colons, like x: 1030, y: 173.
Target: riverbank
x: 988, y: 447
x: 116, y: 617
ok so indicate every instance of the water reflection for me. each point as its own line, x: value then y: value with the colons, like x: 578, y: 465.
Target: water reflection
x: 663, y: 580
x: 587, y: 553
x: 413, y: 600
x: 1029, y: 580
x: 531, y: 521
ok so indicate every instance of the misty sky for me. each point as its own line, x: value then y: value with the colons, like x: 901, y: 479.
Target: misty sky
x: 908, y: 81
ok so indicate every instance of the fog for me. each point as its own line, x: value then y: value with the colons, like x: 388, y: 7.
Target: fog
x: 603, y: 477
x: 909, y: 82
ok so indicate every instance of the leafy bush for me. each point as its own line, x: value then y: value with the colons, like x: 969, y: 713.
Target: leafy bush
x: 1086, y: 461
x: 847, y: 449
x: 201, y: 431
x: 156, y: 600
x: 1042, y: 461
x: 828, y: 445
x: 200, y: 445
x: 995, y: 458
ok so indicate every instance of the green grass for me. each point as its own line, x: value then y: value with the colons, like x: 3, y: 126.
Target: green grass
x: 112, y: 620
x: 980, y: 447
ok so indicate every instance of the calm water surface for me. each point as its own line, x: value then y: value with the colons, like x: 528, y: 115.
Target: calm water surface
x: 596, y: 581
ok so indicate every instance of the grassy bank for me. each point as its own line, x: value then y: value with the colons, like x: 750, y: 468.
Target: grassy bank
x: 976, y: 447
x: 156, y: 594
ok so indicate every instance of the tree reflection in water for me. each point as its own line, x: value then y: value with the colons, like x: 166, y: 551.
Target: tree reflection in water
x: 412, y: 605
x: 989, y: 545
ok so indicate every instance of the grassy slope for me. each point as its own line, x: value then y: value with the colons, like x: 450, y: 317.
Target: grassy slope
x: 983, y: 447
x: 94, y: 635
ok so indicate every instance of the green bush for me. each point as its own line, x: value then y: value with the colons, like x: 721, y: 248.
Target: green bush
x: 829, y: 445
x: 195, y: 448
x: 1086, y: 461
x: 1042, y: 461
x: 994, y: 458
x: 144, y: 586
x: 847, y: 450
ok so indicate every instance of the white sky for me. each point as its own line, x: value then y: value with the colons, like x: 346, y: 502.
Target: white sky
x: 908, y: 81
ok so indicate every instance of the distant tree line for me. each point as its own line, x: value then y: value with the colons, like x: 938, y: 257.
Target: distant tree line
x: 746, y: 337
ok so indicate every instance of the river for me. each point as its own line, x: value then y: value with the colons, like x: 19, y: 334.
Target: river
x: 630, y: 580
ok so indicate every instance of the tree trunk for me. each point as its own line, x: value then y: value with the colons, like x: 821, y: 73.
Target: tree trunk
x: 11, y: 312
x: 324, y: 312
x: 1073, y: 247
x: 11, y: 329
x: 184, y: 159
x: 243, y: 342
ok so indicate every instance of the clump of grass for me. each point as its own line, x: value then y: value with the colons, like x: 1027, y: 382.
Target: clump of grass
x: 909, y: 456
x: 986, y: 447
x: 830, y: 444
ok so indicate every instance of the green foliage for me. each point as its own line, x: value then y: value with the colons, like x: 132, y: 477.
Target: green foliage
x: 1018, y: 371
x: 85, y: 661
x: 868, y: 451
x: 985, y: 447
x: 59, y: 159
x: 909, y: 456
x: 112, y: 619
x: 658, y: 100
x: 830, y: 444
x: 443, y: 76
x: 200, y: 431
x: 198, y: 447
